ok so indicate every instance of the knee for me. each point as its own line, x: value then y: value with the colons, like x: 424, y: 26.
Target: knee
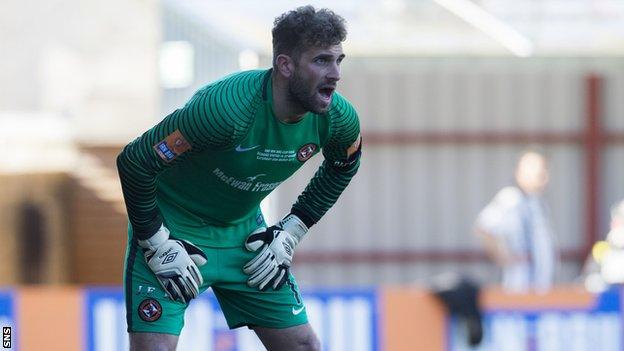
x: 152, y: 342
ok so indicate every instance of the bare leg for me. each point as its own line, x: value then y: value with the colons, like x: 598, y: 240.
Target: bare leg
x: 297, y: 338
x: 153, y: 342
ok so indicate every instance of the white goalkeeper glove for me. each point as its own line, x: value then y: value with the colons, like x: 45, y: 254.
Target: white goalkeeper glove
x: 175, y: 264
x: 271, y: 266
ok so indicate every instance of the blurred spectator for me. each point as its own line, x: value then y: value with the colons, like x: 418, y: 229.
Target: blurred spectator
x: 605, y: 265
x: 32, y: 243
x: 516, y: 229
x: 612, y: 263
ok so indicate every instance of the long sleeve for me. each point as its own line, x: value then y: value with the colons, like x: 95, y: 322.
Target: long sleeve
x: 214, y: 119
x: 342, y: 159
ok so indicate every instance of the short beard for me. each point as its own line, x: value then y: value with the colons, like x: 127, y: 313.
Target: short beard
x: 300, y: 95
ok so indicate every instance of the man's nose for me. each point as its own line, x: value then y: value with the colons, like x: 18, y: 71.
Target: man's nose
x: 334, y: 72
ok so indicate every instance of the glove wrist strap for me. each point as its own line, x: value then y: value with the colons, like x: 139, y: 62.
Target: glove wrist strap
x: 153, y: 242
x: 294, y: 225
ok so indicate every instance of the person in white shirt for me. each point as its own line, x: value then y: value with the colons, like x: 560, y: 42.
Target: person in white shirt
x: 516, y: 229
x: 612, y: 259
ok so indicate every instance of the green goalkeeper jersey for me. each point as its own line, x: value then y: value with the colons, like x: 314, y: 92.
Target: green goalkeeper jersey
x: 210, y: 163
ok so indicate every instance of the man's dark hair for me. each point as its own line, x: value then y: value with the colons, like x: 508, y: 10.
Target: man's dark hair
x: 305, y: 27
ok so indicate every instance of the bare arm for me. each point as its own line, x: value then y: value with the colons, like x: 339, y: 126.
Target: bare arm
x: 495, y: 248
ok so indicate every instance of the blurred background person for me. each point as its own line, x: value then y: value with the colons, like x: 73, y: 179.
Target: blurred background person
x: 605, y: 265
x: 612, y: 260
x: 516, y: 231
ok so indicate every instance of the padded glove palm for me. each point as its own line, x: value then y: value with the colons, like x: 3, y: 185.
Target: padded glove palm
x: 175, y: 264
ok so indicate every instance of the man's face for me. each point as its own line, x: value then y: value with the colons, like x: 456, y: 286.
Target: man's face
x: 532, y: 173
x: 617, y: 216
x: 314, y: 80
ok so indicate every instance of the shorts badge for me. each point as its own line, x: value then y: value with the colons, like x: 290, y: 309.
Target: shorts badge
x: 150, y: 310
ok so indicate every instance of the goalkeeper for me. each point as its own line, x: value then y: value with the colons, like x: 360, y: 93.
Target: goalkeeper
x: 193, y: 184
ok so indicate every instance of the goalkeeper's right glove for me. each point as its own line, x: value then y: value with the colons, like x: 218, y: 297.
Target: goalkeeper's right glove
x: 175, y: 264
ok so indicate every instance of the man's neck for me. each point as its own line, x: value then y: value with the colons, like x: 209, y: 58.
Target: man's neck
x: 285, y: 110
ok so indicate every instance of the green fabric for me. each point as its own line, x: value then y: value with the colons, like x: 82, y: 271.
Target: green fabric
x: 239, y: 153
x: 241, y: 304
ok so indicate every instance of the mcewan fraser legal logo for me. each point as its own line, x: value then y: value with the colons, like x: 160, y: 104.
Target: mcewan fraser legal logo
x: 252, y: 178
x: 247, y: 184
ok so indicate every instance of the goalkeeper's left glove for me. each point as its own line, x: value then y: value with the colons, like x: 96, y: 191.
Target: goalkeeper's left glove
x: 271, y: 266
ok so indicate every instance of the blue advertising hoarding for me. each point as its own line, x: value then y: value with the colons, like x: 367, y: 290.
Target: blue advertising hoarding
x: 343, y: 320
x: 597, y: 327
x: 8, y: 319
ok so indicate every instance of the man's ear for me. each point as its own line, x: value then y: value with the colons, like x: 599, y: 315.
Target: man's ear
x: 285, y: 65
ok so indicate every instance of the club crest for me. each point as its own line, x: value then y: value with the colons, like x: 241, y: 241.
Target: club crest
x: 150, y: 310
x: 306, y: 151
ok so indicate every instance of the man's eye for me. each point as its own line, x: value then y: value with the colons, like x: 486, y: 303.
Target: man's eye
x: 321, y: 60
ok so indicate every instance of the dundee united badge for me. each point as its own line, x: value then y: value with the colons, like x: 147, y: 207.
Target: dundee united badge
x: 306, y: 151
x: 150, y: 310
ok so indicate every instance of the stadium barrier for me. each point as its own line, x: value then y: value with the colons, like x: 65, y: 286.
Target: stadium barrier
x: 374, y: 319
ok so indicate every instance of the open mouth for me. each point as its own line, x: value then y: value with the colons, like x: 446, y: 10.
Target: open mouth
x: 326, y: 93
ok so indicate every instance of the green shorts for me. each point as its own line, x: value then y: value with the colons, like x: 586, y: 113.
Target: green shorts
x: 148, y: 309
